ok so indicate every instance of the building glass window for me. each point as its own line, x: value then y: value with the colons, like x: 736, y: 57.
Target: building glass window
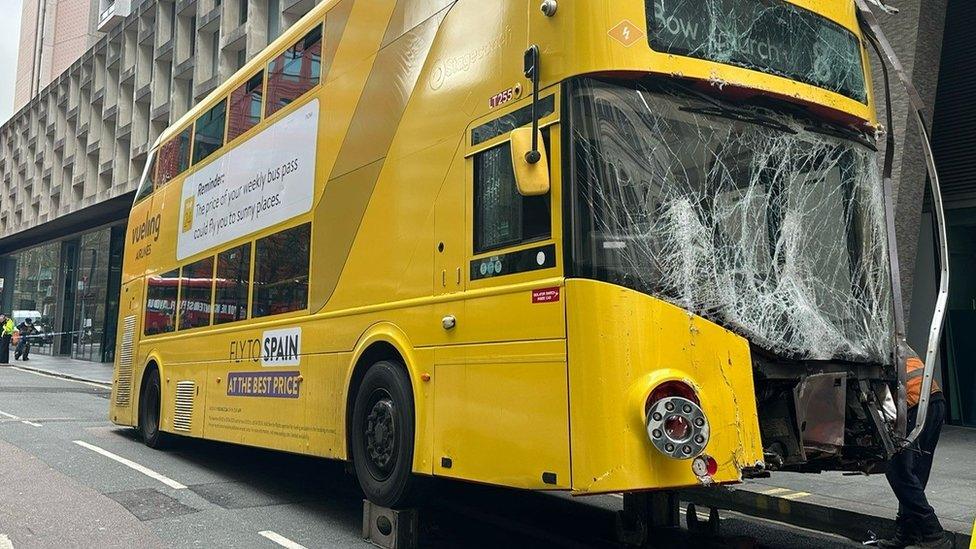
x: 274, y: 20
x: 233, y: 271
x: 281, y: 272
x: 502, y: 216
x: 174, y: 157
x: 294, y: 72
x: 193, y: 36
x: 161, y: 303
x: 90, y: 298
x: 214, y: 53
x: 209, y: 135
x: 36, y: 292
x: 242, y: 12
x: 196, y: 289
x: 245, y: 106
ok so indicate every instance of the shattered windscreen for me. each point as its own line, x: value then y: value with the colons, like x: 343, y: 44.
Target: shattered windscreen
x: 769, y: 226
x: 772, y: 36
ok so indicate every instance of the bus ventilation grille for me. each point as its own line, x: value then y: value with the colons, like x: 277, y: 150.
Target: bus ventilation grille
x: 123, y: 387
x: 184, y: 405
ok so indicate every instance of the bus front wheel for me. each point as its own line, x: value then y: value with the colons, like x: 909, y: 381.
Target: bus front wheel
x: 382, y: 435
x: 150, y: 406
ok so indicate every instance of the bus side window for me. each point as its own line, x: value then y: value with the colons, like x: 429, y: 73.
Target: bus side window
x: 245, y: 106
x: 196, y: 288
x: 233, y: 273
x: 295, y: 71
x: 502, y: 216
x: 174, y: 157
x: 147, y: 183
x: 161, y: 303
x: 281, y: 272
x: 209, y: 134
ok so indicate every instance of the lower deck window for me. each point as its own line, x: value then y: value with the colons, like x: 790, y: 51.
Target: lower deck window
x: 196, y: 288
x: 161, y: 303
x: 233, y: 271
x: 281, y: 272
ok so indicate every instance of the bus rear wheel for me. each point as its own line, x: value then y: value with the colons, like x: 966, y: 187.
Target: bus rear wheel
x: 382, y: 429
x: 150, y: 406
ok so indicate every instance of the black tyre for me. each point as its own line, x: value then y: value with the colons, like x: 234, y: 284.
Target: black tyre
x: 382, y: 436
x: 150, y: 399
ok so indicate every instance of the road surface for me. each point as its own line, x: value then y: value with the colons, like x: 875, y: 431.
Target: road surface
x: 69, y: 478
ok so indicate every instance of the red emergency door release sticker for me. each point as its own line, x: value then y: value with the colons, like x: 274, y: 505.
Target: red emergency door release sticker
x: 545, y: 295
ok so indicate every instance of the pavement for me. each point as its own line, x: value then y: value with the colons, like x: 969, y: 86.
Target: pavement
x: 69, y: 478
x: 96, y: 372
x: 861, y: 506
x: 857, y: 507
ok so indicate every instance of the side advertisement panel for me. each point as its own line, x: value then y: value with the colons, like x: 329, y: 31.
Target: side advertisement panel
x: 266, y: 180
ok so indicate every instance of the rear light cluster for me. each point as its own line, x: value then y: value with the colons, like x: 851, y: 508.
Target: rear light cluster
x: 676, y: 423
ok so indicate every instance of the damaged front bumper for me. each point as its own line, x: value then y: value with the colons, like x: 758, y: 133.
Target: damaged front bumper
x: 820, y: 415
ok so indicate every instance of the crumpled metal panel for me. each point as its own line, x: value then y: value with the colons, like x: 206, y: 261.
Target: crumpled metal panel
x: 821, y: 410
x: 768, y: 228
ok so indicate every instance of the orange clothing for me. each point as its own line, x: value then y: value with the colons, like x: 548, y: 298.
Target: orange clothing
x: 916, y: 370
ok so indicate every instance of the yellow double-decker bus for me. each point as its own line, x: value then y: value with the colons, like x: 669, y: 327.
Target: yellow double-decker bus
x: 601, y: 246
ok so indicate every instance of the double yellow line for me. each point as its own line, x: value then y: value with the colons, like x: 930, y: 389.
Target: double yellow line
x: 784, y: 493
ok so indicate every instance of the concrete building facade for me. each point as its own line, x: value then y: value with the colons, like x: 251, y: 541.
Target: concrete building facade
x: 71, y: 157
x: 53, y: 35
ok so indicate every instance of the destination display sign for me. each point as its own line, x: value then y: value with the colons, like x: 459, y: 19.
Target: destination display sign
x: 771, y: 36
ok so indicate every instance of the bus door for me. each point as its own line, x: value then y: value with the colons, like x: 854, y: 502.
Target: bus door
x: 501, y: 408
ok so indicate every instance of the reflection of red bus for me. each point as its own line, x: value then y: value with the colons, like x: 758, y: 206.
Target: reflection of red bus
x: 195, y: 302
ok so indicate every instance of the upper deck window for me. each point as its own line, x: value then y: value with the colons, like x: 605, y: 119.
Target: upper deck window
x: 245, y: 106
x: 209, y: 135
x: 771, y: 36
x: 174, y: 156
x: 294, y: 72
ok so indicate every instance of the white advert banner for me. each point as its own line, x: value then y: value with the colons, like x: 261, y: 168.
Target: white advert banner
x: 281, y: 347
x: 266, y: 180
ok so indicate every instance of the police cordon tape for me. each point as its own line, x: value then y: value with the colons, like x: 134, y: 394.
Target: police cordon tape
x: 46, y: 334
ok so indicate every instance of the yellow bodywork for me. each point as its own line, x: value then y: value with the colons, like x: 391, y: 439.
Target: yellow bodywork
x: 518, y: 388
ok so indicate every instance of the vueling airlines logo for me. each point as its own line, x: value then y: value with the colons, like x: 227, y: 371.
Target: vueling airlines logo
x: 188, y: 213
x: 143, y: 231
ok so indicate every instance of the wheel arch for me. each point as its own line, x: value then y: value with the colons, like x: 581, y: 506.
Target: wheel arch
x: 385, y: 341
x: 152, y: 362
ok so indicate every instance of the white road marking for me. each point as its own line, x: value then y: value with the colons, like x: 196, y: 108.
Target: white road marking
x: 279, y: 539
x: 22, y: 420
x: 41, y: 374
x: 5, y: 542
x: 133, y: 465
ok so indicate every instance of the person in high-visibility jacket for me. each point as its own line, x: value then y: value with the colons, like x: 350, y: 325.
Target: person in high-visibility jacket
x: 908, y: 472
x: 7, y: 329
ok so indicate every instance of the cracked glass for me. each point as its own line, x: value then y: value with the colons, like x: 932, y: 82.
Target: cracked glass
x: 771, y: 36
x: 764, y: 223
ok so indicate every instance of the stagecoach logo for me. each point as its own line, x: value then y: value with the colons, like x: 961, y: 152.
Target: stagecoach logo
x: 445, y: 68
x: 274, y: 348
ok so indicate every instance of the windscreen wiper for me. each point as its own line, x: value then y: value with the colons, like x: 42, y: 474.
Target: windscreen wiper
x: 741, y: 116
x: 842, y: 134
